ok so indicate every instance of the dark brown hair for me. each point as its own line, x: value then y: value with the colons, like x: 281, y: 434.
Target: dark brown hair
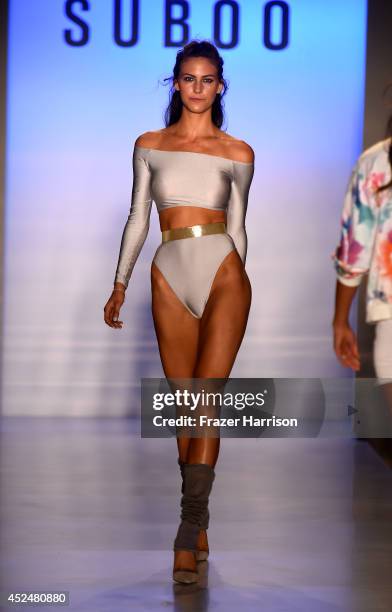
x: 196, y: 48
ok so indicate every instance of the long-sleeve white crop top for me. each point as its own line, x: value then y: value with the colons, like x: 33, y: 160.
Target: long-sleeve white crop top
x: 183, y: 178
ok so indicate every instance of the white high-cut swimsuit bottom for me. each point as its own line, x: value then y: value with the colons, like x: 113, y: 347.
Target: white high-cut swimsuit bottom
x: 189, y: 266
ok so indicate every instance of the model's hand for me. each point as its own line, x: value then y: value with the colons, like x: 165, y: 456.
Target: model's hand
x: 112, y: 309
x: 345, y: 346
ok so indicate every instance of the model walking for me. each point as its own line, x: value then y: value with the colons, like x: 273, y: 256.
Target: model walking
x: 199, y: 177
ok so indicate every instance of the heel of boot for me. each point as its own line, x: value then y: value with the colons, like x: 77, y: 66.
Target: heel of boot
x: 202, y: 545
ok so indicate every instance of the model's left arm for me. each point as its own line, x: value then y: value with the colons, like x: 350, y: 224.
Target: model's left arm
x: 238, y: 203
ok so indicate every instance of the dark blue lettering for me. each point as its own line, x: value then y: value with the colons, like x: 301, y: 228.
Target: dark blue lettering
x: 171, y: 21
x: 284, y: 29
x: 131, y: 42
x: 235, y: 11
x: 68, y: 9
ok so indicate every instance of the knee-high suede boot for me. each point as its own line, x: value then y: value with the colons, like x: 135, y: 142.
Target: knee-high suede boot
x: 197, y: 485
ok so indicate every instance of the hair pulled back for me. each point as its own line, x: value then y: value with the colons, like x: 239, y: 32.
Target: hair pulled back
x: 196, y: 48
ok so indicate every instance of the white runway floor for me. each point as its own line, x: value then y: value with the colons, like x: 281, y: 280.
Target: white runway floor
x: 296, y: 524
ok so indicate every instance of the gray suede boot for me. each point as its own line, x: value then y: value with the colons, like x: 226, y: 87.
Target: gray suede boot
x: 197, y: 485
x: 202, y: 548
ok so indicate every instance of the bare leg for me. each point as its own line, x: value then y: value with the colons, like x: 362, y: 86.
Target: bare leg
x: 177, y: 334
x: 222, y: 329
x: 204, y: 348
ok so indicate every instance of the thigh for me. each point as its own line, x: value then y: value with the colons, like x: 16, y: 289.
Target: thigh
x: 224, y: 319
x: 176, y: 328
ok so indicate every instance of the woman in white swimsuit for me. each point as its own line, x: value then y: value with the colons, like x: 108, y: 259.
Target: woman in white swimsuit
x: 199, y: 178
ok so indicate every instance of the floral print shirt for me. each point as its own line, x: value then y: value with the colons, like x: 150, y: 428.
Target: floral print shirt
x: 366, y: 232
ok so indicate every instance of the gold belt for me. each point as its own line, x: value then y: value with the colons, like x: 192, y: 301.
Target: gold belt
x: 193, y: 231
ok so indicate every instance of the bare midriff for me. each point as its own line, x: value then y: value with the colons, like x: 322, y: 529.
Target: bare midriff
x: 185, y: 216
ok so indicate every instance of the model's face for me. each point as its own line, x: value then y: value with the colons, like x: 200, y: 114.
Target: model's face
x: 198, y: 84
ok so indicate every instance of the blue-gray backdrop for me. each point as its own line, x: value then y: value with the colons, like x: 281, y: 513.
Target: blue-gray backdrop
x: 78, y: 96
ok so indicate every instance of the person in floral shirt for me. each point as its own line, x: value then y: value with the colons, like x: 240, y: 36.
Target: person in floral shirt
x: 365, y: 248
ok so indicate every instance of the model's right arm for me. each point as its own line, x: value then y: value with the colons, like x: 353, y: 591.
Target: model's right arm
x: 138, y: 222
